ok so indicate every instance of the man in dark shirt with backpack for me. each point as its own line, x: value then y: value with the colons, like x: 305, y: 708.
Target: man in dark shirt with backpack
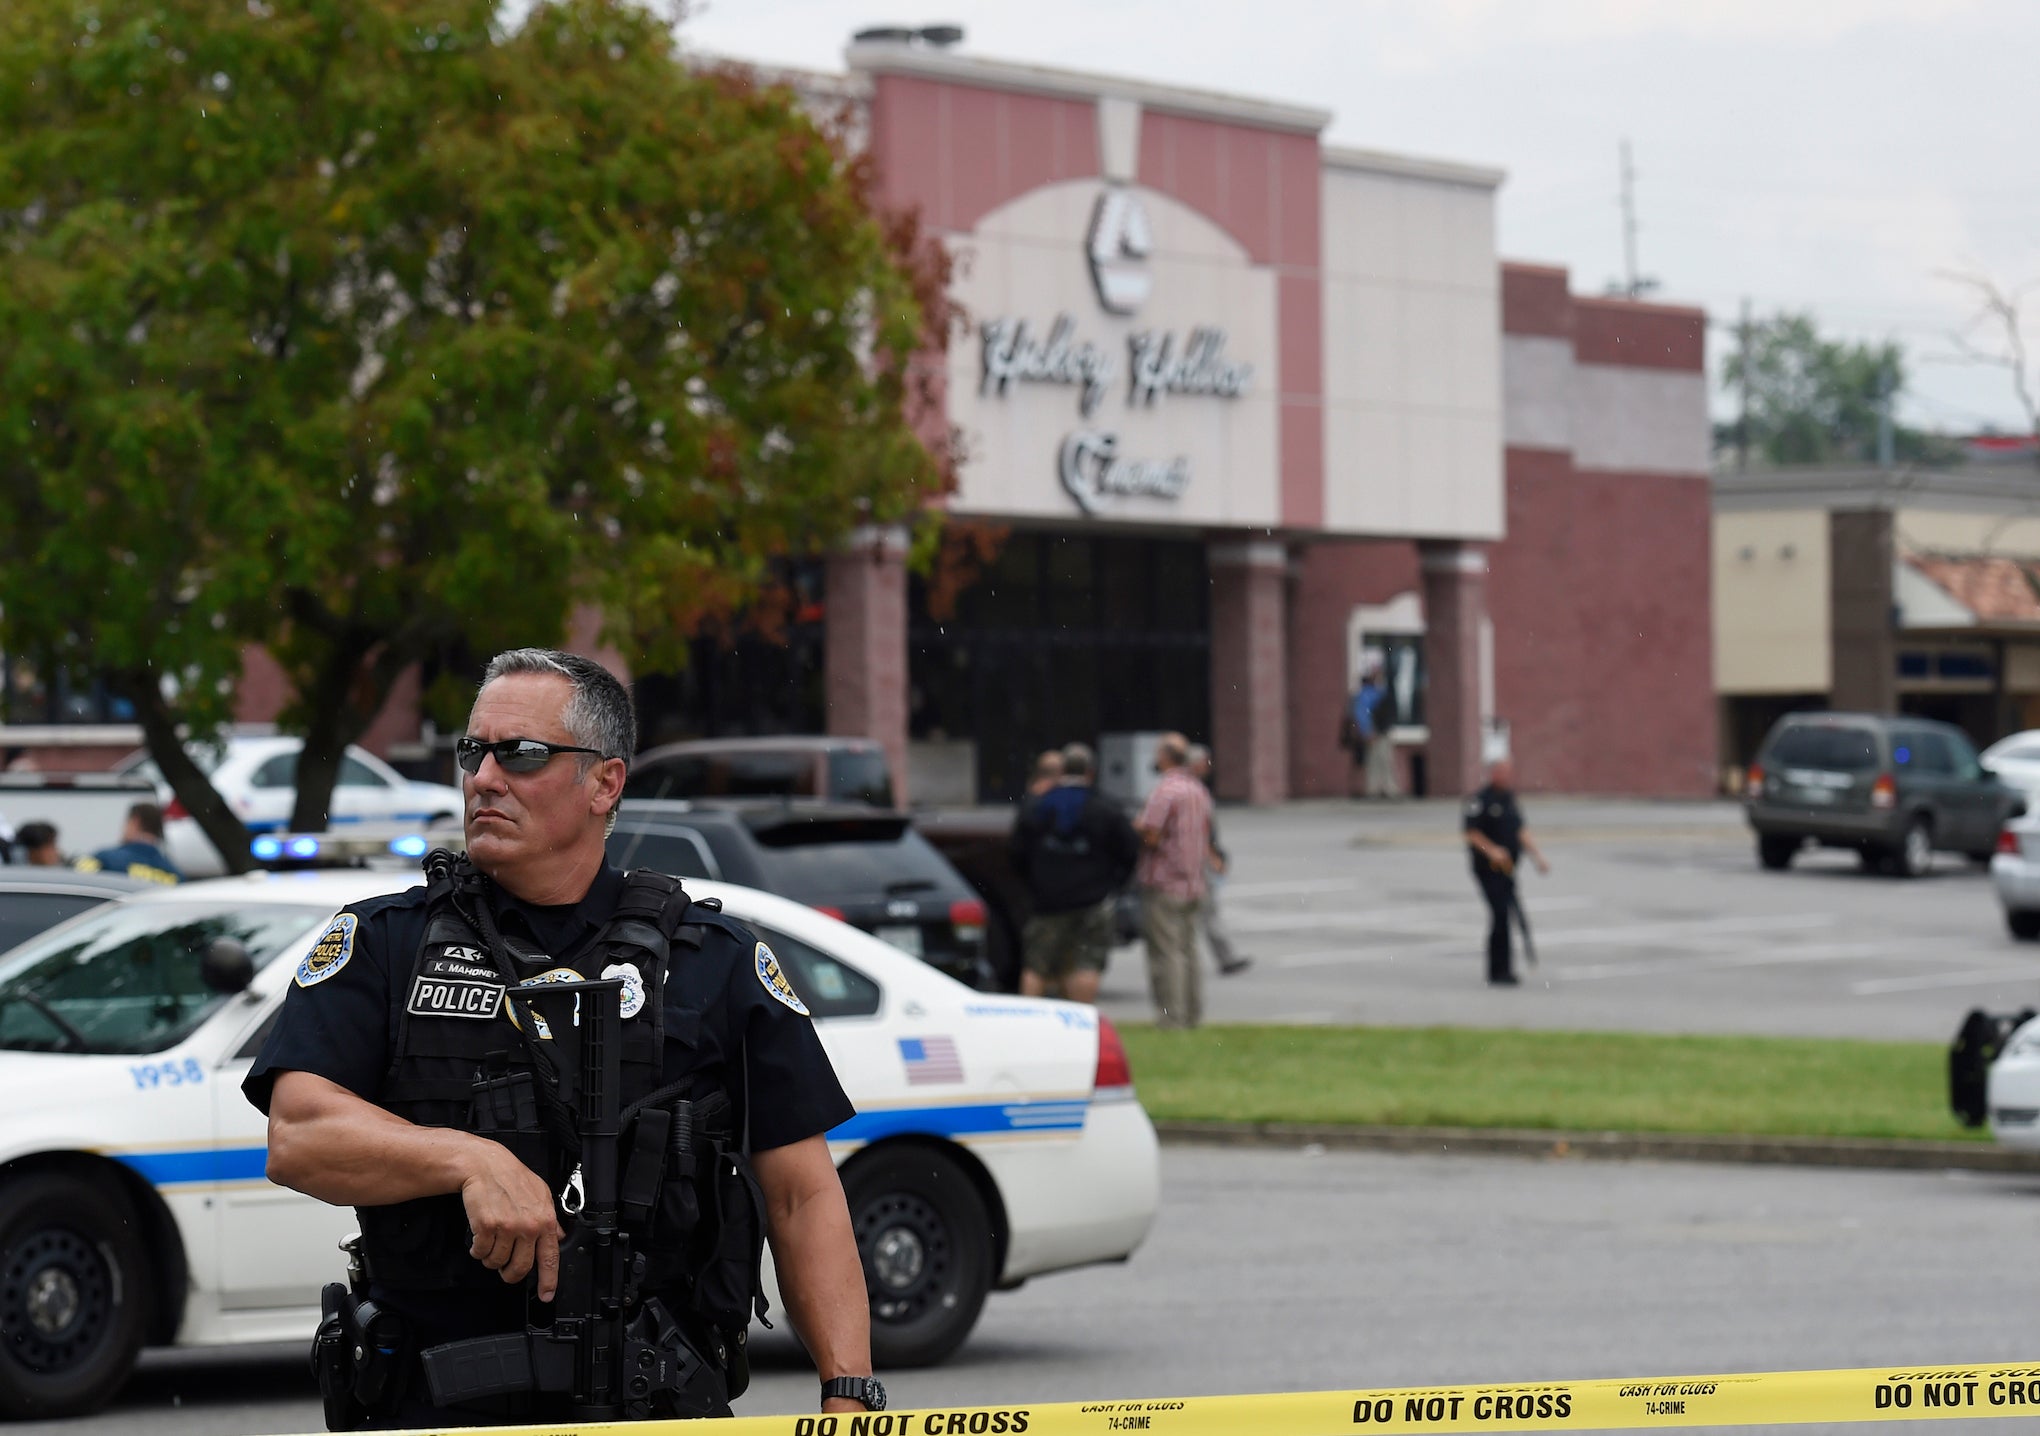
x: 1074, y: 849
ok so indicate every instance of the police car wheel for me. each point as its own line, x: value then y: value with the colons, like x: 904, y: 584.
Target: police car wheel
x: 926, y: 1245
x: 73, y: 1295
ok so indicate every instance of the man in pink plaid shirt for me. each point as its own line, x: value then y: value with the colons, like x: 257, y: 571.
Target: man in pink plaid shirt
x: 1175, y: 832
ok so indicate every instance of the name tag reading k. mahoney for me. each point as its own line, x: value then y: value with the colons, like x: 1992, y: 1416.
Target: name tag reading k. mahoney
x: 455, y: 997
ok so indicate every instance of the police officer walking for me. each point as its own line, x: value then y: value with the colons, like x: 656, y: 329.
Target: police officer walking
x: 1498, y: 840
x: 407, y: 1077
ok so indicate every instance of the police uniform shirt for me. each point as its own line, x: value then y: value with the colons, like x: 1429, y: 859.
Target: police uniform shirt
x: 144, y: 861
x: 343, y: 1027
x: 1492, y: 812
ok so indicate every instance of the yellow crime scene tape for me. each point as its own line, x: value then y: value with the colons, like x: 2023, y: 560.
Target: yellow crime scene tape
x: 1876, y: 1393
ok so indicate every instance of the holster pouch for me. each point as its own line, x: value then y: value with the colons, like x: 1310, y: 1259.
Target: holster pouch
x: 358, y: 1355
x: 727, y: 1292
x: 333, y: 1359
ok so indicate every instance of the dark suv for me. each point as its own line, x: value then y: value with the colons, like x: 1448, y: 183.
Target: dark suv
x: 843, y: 770
x: 1894, y: 789
x: 864, y: 865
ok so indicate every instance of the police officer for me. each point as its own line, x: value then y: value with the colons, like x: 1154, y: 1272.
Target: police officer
x: 398, y: 1014
x: 139, y: 854
x: 1498, y: 840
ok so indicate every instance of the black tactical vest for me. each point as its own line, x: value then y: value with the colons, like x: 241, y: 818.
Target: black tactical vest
x: 466, y: 1058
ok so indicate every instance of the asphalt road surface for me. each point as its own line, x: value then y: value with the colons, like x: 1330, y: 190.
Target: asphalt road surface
x: 1655, y: 918
x: 1300, y: 1270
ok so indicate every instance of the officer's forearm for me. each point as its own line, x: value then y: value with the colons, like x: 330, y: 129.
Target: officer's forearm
x: 328, y: 1143
x: 814, y: 1252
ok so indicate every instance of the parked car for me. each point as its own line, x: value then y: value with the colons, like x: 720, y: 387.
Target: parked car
x: 864, y: 865
x: 838, y: 770
x: 2014, y: 1089
x: 1894, y: 789
x: 131, y: 1169
x: 2016, y: 761
x: 258, y: 778
x: 2015, y: 874
x: 33, y: 900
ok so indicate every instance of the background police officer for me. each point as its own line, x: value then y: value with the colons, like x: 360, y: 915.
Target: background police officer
x: 544, y: 761
x: 1495, y: 833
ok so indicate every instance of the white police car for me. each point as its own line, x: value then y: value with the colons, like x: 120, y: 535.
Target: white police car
x: 2013, y: 1088
x: 996, y: 1138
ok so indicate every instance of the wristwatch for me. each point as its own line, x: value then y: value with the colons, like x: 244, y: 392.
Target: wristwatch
x: 867, y: 1390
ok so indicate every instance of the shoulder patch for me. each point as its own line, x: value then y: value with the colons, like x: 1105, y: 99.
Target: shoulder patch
x: 330, y: 953
x: 774, y: 981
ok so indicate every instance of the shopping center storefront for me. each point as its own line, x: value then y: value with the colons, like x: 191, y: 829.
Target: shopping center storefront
x: 1248, y: 412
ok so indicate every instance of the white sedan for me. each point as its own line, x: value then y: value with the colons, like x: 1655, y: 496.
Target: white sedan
x: 996, y: 1138
x: 258, y: 778
x: 2016, y: 761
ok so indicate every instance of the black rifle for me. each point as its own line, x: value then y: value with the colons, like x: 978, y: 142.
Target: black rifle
x: 602, y: 1348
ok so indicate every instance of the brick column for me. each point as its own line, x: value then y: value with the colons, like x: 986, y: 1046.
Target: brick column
x: 1250, y: 670
x: 1864, y: 645
x: 1455, y: 598
x: 866, y: 644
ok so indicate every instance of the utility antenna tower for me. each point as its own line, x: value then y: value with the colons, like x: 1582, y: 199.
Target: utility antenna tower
x: 1634, y: 285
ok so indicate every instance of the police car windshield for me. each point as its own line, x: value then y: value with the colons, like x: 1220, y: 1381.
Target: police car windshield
x: 126, y: 979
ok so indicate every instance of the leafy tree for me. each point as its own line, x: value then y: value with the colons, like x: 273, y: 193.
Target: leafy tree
x: 1814, y: 400
x: 355, y: 328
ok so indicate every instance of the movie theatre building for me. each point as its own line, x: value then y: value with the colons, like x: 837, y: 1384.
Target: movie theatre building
x: 1242, y: 412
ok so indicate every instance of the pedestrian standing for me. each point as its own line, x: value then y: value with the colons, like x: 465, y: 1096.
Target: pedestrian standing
x: 1373, y: 702
x: 1074, y: 849
x: 1211, y: 922
x: 37, y: 845
x: 1498, y: 839
x: 1048, y: 771
x: 1175, y: 832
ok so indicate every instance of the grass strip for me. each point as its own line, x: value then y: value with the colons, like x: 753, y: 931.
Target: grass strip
x: 1567, y: 1081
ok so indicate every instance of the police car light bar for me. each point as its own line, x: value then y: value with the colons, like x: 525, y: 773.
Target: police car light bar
x: 352, y: 848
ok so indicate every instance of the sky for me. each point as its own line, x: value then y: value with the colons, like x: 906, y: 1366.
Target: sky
x: 1837, y: 156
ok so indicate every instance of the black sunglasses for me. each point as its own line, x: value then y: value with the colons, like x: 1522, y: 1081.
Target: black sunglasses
x: 513, y: 755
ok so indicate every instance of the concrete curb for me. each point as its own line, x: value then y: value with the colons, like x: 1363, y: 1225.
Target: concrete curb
x: 1615, y: 1146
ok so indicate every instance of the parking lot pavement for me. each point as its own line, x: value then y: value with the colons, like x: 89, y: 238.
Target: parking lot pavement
x: 1284, y: 1270
x: 1655, y: 917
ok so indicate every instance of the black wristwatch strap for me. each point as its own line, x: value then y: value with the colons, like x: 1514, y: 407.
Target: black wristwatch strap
x: 865, y: 1390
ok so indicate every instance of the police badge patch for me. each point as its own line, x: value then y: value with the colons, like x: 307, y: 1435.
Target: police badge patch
x: 774, y: 981
x: 547, y: 978
x: 632, y: 999
x: 330, y: 953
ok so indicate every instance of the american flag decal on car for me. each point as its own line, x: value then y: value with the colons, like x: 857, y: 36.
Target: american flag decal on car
x: 930, y: 1059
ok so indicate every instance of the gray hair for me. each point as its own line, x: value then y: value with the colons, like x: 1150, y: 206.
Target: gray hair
x: 1078, y: 760
x: 1196, y: 753
x: 598, y: 715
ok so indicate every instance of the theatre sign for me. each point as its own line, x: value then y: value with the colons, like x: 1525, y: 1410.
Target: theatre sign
x: 1119, y: 363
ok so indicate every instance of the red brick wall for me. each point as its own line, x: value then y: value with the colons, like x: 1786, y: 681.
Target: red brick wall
x: 1601, y: 605
x: 865, y: 654
x: 1249, y: 684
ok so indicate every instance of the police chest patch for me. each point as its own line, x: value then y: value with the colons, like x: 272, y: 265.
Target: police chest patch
x: 774, y: 981
x: 548, y: 978
x: 631, y: 1001
x: 455, y: 997
x: 330, y: 953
